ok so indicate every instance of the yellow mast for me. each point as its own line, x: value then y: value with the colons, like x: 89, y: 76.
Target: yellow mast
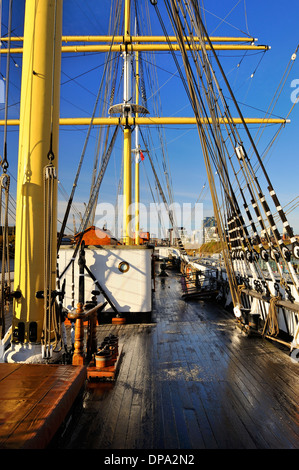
x: 137, y: 192
x: 39, y: 115
x: 127, y: 186
x: 127, y: 194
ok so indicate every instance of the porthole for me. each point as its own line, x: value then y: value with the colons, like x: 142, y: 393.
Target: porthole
x: 123, y: 267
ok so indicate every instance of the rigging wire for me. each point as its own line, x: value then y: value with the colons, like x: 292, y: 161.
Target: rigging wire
x: 110, y: 86
x: 193, y: 99
x: 223, y: 20
x: 246, y: 19
x: 94, y: 194
x: 152, y: 192
x: 275, y: 99
x: 4, y: 162
x: 270, y: 188
x: 170, y: 212
x: 226, y: 22
x: 154, y: 87
x: 81, y: 160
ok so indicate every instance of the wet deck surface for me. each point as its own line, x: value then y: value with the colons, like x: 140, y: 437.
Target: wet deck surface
x: 191, y: 380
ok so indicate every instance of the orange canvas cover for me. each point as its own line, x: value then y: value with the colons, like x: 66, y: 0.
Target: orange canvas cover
x: 96, y: 236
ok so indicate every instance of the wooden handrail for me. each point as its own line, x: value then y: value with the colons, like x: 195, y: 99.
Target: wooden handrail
x: 80, y: 316
x: 73, y: 315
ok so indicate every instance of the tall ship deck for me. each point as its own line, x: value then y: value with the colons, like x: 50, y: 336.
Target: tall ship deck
x: 149, y: 291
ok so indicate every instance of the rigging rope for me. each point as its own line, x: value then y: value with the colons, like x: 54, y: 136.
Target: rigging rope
x: 270, y: 188
x: 96, y: 188
x: 223, y: 20
x: 5, y: 269
x: 271, y: 324
x: 110, y: 86
x: 51, y: 332
x: 215, y: 151
x: 170, y: 212
x: 4, y: 188
x: 106, y: 68
x: 196, y: 102
x: 49, y: 335
x: 80, y: 163
x: 278, y: 206
x: 4, y: 162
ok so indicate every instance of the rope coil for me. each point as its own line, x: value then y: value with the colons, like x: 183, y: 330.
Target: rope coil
x: 271, y: 322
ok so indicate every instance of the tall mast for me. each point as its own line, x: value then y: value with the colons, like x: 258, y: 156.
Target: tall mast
x: 38, y: 146
x: 127, y: 99
x: 137, y: 161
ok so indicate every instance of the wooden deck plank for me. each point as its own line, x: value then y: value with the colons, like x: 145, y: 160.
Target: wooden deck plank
x: 108, y: 424
x: 144, y: 439
x: 269, y: 391
x: 242, y: 387
x: 211, y: 390
x: 126, y: 403
x: 261, y: 397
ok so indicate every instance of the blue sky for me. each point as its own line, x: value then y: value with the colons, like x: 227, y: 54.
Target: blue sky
x: 266, y: 20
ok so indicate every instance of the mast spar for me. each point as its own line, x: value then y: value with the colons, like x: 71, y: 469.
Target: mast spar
x: 127, y: 113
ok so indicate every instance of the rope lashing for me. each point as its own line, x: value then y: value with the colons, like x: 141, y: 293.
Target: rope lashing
x: 271, y: 323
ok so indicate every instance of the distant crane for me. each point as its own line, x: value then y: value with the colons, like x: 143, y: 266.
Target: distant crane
x: 74, y: 224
